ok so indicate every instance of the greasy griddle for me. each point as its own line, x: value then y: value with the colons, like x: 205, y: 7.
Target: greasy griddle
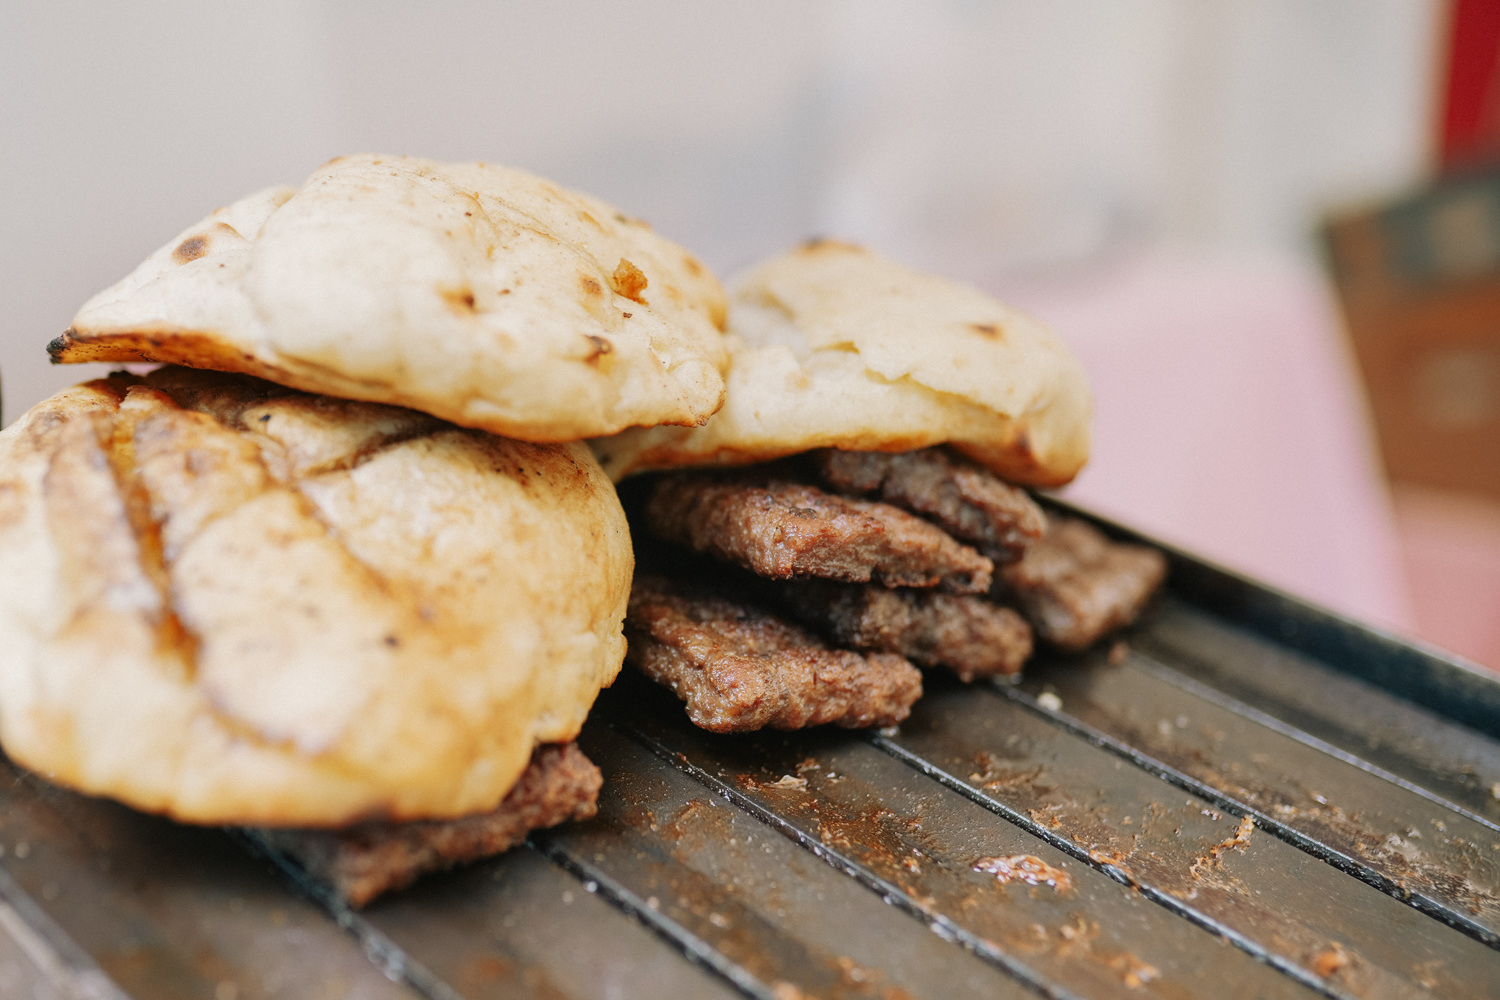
x: 1250, y: 797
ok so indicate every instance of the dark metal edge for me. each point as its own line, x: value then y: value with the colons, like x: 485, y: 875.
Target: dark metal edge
x: 62, y: 961
x: 1421, y: 673
x: 389, y: 957
x: 692, y: 947
x: 1149, y: 664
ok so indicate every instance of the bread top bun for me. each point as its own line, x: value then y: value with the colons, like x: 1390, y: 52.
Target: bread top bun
x: 480, y: 294
x: 833, y: 346
x: 230, y: 602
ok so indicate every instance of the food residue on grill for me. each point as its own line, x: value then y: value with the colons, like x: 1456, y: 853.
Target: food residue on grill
x: 1026, y: 868
x: 1238, y: 842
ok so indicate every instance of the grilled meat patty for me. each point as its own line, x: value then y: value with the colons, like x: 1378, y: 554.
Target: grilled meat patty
x: 967, y: 500
x: 969, y: 635
x: 739, y: 668
x: 1075, y: 584
x: 368, y: 859
x: 782, y: 530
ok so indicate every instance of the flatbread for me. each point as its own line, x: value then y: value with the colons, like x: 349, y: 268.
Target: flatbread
x: 480, y: 294
x: 836, y: 347
x: 230, y: 602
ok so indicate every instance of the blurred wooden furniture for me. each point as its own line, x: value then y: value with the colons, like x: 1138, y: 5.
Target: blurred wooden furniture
x: 1419, y: 281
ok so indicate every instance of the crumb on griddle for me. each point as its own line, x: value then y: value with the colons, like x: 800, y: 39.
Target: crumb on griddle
x: 782, y: 530
x: 739, y: 668
x: 971, y: 636
x: 1075, y: 584
x: 966, y: 499
x: 365, y: 860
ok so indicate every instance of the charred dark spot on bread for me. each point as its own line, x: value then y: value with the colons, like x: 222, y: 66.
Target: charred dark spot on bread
x: 590, y: 286
x: 190, y: 249
x: 629, y: 281
x: 989, y: 330
x: 460, y: 300
x: 599, y: 348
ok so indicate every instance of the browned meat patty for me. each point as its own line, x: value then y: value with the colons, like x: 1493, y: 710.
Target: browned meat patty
x: 739, y: 668
x: 363, y: 861
x: 782, y: 530
x: 971, y: 636
x: 1075, y: 584
x: 962, y: 496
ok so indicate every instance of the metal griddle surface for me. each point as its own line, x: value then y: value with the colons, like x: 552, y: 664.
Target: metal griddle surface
x: 1251, y: 798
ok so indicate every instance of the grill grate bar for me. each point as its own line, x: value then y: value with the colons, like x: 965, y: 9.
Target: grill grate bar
x: 692, y: 947
x: 1155, y: 668
x: 1431, y: 907
x: 1194, y: 954
x: 892, y: 894
x: 390, y: 958
x: 1158, y: 896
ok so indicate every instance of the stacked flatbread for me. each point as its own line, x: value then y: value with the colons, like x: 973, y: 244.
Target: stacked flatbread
x: 344, y: 569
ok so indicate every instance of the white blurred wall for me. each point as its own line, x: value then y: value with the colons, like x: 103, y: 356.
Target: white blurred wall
x: 980, y: 139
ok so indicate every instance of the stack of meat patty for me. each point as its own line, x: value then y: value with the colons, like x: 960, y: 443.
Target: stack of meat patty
x: 843, y: 560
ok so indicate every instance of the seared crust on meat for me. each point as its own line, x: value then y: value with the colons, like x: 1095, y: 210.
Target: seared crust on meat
x: 782, y: 530
x: 739, y: 668
x: 368, y: 859
x: 969, y: 635
x: 1075, y: 584
x: 969, y: 501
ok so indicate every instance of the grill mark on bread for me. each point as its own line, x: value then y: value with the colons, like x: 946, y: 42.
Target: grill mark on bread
x: 172, y: 634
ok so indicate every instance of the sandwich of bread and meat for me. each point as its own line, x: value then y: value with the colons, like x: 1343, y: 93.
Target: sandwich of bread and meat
x: 343, y: 571
x: 860, y: 502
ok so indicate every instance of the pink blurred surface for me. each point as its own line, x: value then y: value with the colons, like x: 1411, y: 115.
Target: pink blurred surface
x: 1229, y: 421
x: 1451, y: 547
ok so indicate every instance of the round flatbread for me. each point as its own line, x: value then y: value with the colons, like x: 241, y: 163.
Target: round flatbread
x: 833, y: 346
x: 480, y: 294
x: 231, y: 602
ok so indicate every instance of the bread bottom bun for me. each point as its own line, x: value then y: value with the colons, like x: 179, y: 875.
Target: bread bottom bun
x: 230, y: 602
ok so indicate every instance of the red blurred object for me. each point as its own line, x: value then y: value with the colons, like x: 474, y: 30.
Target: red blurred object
x: 1471, y: 92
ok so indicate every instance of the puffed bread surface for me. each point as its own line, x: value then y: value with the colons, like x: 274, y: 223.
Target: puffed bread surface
x: 230, y: 602
x: 478, y: 293
x: 834, y: 346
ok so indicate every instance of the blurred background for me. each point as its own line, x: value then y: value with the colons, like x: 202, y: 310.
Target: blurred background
x: 1266, y: 226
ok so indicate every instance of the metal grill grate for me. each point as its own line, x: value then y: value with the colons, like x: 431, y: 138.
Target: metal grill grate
x: 1256, y: 799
